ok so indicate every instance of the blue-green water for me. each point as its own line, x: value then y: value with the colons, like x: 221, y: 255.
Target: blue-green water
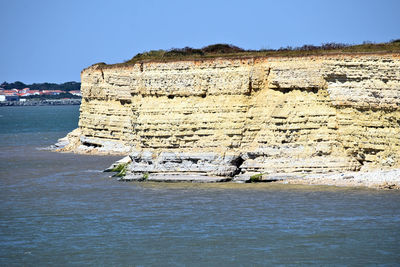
x: 60, y: 209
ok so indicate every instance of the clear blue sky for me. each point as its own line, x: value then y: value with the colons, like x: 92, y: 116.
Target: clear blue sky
x: 52, y: 41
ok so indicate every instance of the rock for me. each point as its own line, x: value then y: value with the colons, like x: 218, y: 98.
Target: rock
x: 348, y: 177
x: 174, y: 177
x: 387, y: 185
x: 165, y: 163
x: 126, y: 160
x: 265, y: 178
x: 193, y: 178
x: 222, y: 117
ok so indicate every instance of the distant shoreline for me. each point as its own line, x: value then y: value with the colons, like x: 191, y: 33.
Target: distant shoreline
x: 47, y: 102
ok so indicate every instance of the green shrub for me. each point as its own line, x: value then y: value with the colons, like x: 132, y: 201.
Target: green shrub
x: 256, y: 178
x: 222, y: 49
x: 120, y: 169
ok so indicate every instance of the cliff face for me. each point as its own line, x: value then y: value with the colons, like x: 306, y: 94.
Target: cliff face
x: 242, y: 116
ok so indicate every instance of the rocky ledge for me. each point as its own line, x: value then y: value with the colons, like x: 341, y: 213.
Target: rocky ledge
x: 212, y: 168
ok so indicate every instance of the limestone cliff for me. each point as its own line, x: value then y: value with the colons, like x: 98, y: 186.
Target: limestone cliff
x: 236, y: 117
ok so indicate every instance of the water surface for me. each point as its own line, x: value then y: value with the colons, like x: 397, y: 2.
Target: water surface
x: 60, y: 209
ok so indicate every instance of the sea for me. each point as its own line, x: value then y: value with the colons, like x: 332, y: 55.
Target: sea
x: 61, y: 209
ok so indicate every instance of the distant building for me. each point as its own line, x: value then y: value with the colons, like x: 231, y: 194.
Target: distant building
x: 34, y: 92
x: 76, y: 92
x: 24, y: 94
x: 52, y: 92
x: 12, y: 98
x: 9, y: 92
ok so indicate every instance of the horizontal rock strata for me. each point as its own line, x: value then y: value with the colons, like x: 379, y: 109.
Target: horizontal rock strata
x: 239, y: 117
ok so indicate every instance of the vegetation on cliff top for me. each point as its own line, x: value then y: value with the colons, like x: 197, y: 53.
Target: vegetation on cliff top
x: 231, y: 51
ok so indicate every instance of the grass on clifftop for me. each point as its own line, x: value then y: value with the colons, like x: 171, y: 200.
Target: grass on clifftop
x: 231, y: 51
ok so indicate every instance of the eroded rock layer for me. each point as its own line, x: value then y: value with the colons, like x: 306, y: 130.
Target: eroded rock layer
x: 228, y: 117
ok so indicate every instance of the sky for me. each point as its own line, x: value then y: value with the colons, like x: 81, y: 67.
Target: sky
x: 52, y: 41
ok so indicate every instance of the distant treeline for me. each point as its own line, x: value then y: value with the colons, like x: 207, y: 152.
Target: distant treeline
x: 47, y: 97
x: 68, y: 86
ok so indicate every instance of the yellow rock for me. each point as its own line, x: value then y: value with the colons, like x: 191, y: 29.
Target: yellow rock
x: 297, y: 114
